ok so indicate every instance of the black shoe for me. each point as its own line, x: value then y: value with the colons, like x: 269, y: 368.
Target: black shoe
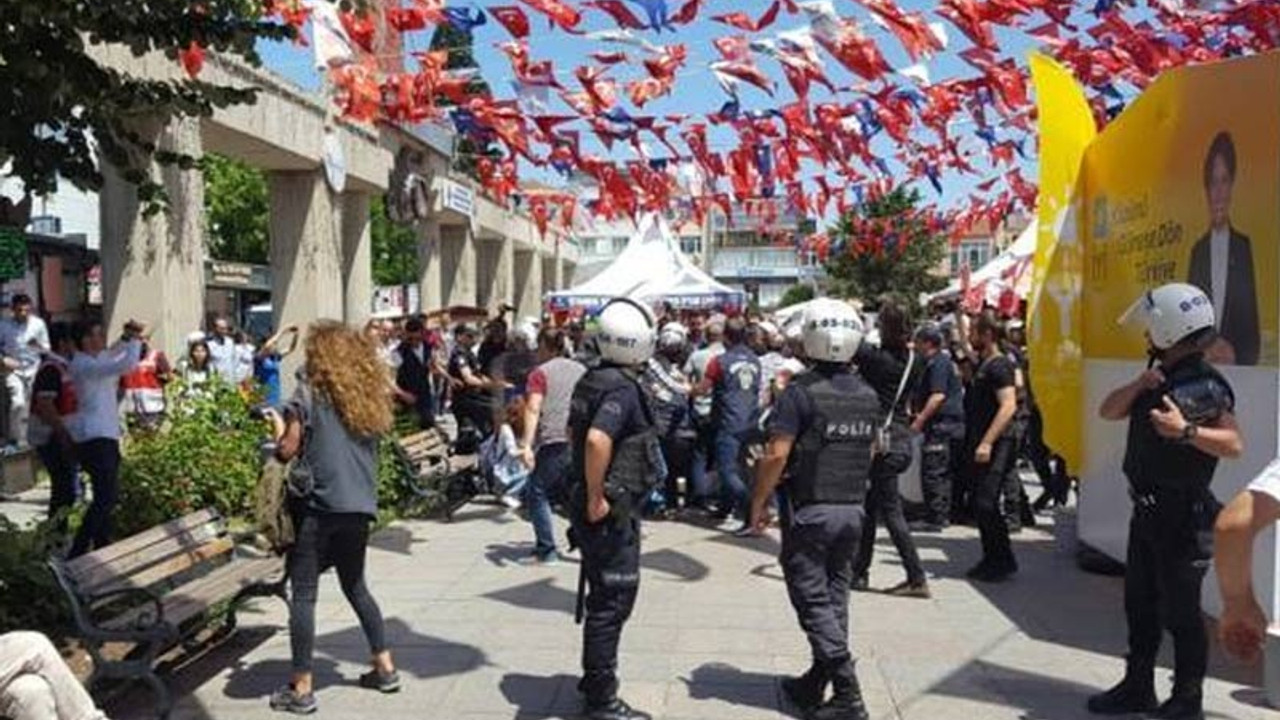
x: 992, y: 573
x: 375, y: 680
x: 1181, y: 707
x: 615, y: 710
x: 286, y: 699
x: 846, y: 701
x: 807, y: 691
x: 860, y: 583
x: 1135, y: 694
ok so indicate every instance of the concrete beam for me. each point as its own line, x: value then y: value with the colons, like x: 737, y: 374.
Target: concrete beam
x: 430, y: 259
x: 357, y: 258
x: 306, y: 253
x: 458, y: 266
x: 153, y: 267
x: 527, y: 278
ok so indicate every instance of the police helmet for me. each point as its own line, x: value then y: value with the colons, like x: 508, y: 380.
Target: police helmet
x: 832, y: 331
x: 1171, y: 313
x: 673, y: 335
x: 625, y: 332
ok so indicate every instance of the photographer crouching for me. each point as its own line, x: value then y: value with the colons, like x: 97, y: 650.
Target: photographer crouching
x: 330, y: 430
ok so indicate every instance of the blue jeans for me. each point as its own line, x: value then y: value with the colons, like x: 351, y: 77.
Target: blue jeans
x: 550, y: 466
x: 699, y: 489
x: 733, y: 491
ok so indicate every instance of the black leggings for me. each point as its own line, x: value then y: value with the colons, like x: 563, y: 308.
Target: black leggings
x: 327, y: 540
x: 101, y: 460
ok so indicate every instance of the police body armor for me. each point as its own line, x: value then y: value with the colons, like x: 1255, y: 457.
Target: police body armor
x: 831, y: 461
x: 636, y: 467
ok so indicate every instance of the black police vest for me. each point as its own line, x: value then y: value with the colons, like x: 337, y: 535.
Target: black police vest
x: 633, y: 468
x: 1152, y: 462
x: 831, y: 460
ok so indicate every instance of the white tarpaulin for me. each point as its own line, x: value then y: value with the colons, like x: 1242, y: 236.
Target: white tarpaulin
x: 650, y: 269
x: 1010, y: 269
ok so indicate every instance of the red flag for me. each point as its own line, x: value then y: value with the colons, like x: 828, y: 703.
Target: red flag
x: 743, y: 21
x: 910, y: 28
x: 559, y: 12
x: 971, y: 20
x: 359, y: 27
x: 513, y: 19
x: 619, y: 12
x: 610, y: 58
x: 687, y: 12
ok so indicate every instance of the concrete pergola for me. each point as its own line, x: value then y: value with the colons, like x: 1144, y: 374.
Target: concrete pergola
x: 472, y: 251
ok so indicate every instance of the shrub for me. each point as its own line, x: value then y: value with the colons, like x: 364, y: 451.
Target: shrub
x: 205, y: 455
x: 29, y: 596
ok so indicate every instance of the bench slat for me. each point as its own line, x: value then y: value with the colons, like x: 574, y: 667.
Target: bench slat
x: 194, y: 598
x: 122, y: 568
x: 138, y: 542
x: 175, y: 565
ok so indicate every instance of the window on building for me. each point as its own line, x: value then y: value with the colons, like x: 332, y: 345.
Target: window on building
x: 691, y: 244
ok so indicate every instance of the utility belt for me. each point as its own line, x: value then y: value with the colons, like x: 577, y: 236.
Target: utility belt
x: 622, y: 504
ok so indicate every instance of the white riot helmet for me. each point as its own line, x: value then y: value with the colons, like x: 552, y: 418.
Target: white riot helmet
x: 673, y: 335
x: 1171, y: 313
x: 832, y: 331
x: 625, y: 333
x: 525, y: 335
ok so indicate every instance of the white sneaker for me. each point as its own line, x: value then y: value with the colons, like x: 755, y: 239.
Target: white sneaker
x: 510, y: 502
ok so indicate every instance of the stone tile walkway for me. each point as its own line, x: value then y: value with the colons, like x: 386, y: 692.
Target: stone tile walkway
x: 479, y: 637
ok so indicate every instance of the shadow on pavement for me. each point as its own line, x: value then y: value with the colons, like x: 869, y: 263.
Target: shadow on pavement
x: 676, y: 564
x: 442, y: 657
x: 542, y: 595
x: 728, y: 684
x: 536, y: 695
x: 1052, y: 600
x: 395, y: 538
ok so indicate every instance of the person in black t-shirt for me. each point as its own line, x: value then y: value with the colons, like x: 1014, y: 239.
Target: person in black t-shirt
x: 939, y: 403
x: 993, y: 403
x: 473, y: 402
x: 53, y: 400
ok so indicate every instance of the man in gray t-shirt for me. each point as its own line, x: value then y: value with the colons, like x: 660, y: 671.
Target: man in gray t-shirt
x: 545, y: 445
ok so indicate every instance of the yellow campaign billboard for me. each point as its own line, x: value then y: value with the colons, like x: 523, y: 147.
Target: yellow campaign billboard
x: 1066, y: 129
x: 1184, y: 186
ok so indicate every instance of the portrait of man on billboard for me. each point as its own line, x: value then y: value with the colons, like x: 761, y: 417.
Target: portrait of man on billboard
x: 1222, y: 263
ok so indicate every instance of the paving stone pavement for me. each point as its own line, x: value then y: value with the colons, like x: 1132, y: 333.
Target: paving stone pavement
x: 479, y: 637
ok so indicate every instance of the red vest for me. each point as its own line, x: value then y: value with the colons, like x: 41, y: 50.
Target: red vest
x: 143, y: 392
x: 67, y: 403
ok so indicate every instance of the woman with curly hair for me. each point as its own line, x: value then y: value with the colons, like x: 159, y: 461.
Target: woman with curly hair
x: 332, y: 427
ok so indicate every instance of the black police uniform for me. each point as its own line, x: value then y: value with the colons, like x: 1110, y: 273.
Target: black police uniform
x: 988, y: 480
x: 833, y: 416
x: 609, y: 399
x: 1170, y: 535
x: 942, y: 453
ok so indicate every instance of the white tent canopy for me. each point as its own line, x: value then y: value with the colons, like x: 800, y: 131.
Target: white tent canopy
x: 1010, y: 269
x: 650, y: 269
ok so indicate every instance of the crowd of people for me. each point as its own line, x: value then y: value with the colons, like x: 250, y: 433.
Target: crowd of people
x: 807, y: 424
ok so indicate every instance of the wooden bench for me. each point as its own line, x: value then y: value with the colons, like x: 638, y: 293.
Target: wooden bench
x: 435, y: 474
x: 157, y: 590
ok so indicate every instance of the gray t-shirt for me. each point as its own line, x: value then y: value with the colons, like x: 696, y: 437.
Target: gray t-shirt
x: 343, y: 466
x: 554, y: 380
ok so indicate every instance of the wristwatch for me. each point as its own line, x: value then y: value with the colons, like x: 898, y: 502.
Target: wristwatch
x: 1190, y: 432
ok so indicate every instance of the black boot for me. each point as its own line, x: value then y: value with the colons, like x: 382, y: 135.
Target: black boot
x: 1187, y: 703
x: 807, y: 691
x: 846, y: 699
x: 1136, y: 693
x: 616, y: 709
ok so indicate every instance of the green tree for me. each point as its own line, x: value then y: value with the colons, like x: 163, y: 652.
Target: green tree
x: 57, y: 102
x: 795, y: 295
x: 395, y: 249
x: 888, y: 251
x: 237, y: 207
x: 460, y: 45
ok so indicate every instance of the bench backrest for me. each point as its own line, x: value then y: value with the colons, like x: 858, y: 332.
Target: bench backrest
x: 428, y: 445
x: 152, y: 557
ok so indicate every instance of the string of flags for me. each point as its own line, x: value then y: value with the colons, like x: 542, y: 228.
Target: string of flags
x: 790, y: 148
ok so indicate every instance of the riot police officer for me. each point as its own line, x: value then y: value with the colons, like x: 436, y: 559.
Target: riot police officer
x: 822, y: 433
x: 616, y: 462
x: 1180, y: 413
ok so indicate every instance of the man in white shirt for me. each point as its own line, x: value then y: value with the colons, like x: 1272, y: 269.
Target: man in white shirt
x: 1243, y: 626
x: 96, y: 426
x: 25, y: 340
x: 224, y: 358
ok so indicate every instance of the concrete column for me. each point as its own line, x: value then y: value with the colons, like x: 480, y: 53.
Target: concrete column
x: 306, y: 254
x: 153, y: 267
x: 527, y: 276
x: 458, y: 281
x: 566, y: 273
x: 550, y: 266
x: 496, y: 273
x: 430, y: 289
x: 357, y: 258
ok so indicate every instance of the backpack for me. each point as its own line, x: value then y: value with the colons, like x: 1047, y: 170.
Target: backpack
x: 279, y: 487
